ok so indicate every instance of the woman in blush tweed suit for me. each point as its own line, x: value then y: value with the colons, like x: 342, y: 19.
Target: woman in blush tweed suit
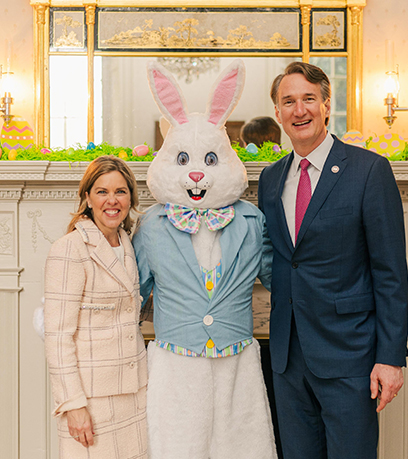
x: 94, y: 347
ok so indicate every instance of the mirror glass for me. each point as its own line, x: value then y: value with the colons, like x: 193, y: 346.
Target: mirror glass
x: 126, y: 114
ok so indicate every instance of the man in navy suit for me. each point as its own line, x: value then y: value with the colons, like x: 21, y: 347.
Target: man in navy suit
x: 338, y: 327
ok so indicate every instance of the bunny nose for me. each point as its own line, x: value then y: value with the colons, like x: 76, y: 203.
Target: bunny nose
x: 196, y: 176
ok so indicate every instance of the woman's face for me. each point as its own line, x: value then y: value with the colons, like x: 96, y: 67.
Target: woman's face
x: 109, y: 199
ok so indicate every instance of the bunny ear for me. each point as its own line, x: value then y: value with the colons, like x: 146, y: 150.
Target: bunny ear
x: 167, y: 94
x: 226, y: 93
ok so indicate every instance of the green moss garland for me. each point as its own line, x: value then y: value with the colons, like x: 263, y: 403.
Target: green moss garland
x: 80, y: 153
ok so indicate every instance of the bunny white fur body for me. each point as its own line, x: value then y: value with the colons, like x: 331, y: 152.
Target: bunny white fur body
x: 203, y: 407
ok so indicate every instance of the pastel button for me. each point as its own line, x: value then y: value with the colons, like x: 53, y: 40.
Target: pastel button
x: 132, y: 365
x: 209, y: 285
x: 208, y: 320
x: 129, y: 310
x: 210, y: 344
x: 131, y: 337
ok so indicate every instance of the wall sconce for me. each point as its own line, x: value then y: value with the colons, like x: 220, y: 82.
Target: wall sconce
x: 7, y: 100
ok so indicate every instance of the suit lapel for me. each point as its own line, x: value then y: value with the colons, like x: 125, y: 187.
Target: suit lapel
x: 105, y: 257
x: 185, y: 246
x: 280, y: 209
x: 333, y: 169
x: 231, y: 240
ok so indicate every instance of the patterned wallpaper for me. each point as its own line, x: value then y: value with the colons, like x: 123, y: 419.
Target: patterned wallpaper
x: 382, y: 21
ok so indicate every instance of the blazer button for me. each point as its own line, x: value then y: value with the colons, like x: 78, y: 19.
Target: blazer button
x: 290, y: 301
x: 208, y: 320
x: 131, y: 337
x: 295, y: 265
x: 132, y: 365
x: 129, y: 310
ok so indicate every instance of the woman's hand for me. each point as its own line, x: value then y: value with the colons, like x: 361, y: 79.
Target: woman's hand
x: 80, y: 426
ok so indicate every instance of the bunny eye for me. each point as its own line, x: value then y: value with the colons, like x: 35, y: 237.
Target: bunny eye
x: 211, y: 159
x: 183, y: 158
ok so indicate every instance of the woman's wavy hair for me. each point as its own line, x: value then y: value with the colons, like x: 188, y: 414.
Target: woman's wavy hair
x: 97, y: 168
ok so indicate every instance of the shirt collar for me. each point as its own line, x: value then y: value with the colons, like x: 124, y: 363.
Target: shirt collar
x: 317, y: 157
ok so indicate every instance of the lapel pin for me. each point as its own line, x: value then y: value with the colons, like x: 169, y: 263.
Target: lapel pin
x: 335, y: 169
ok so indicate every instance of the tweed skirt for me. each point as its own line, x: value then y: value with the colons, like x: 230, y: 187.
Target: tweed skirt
x: 119, y: 423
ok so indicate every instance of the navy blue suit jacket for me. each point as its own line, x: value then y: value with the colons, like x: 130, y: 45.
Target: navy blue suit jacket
x: 345, y: 281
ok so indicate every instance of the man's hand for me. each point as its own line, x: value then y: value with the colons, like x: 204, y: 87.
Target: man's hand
x: 386, y: 381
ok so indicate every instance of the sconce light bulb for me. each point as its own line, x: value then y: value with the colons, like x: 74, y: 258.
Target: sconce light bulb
x: 391, y: 84
x: 8, y: 84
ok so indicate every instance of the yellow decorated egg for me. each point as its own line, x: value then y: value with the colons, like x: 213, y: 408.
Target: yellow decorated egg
x: 122, y: 154
x: 354, y: 138
x: 17, y: 135
x: 387, y: 144
x: 12, y: 155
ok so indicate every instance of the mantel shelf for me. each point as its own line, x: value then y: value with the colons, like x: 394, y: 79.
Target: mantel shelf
x: 52, y: 171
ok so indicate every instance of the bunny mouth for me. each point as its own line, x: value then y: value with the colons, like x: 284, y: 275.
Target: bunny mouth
x: 196, y: 196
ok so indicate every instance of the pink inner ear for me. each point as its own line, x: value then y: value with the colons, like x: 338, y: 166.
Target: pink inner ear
x: 223, y: 96
x: 169, y: 97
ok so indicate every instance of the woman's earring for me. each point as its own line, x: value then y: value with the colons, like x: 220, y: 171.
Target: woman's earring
x: 89, y: 205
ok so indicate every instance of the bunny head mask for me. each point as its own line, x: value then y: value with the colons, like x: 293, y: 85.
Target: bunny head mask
x: 196, y: 165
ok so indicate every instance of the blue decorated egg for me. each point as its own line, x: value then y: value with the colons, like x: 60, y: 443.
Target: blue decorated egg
x: 251, y: 148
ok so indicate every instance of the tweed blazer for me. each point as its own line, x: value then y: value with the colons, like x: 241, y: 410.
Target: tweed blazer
x: 93, y: 343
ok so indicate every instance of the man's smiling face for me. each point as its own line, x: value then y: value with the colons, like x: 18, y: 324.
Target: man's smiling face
x: 302, y: 112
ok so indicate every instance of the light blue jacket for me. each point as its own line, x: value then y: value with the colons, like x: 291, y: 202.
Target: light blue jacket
x: 183, y: 313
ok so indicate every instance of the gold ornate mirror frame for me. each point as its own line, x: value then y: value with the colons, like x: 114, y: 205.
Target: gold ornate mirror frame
x: 340, y: 20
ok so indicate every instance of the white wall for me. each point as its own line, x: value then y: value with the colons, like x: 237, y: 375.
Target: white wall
x: 384, y: 20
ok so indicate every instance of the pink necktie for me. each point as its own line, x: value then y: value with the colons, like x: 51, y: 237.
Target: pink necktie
x: 303, y: 195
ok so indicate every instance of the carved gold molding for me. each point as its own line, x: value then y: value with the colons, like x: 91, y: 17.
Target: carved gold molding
x: 90, y: 21
x: 306, y: 9
x: 355, y: 68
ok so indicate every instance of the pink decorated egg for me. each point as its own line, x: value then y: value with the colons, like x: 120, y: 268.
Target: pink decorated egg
x: 45, y: 151
x: 387, y: 144
x: 354, y: 138
x: 140, y: 150
x: 17, y: 135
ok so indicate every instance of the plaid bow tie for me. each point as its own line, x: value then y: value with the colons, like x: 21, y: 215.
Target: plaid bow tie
x: 188, y: 219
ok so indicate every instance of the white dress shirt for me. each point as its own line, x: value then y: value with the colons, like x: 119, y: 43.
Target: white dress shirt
x: 317, y: 158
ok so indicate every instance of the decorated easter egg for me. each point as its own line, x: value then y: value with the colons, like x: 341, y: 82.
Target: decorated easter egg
x: 251, y: 148
x: 70, y: 151
x: 91, y: 146
x: 276, y: 148
x: 140, y: 150
x: 354, y: 138
x: 45, y: 151
x: 12, y: 155
x: 387, y: 144
x: 17, y: 135
x: 122, y: 154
